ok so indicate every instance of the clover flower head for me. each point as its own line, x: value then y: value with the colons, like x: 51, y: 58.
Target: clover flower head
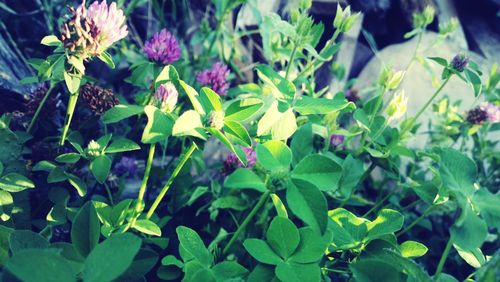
x: 166, y: 97
x: 94, y: 149
x: 492, y: 112
x: 163, y: 47
x: 89, y: 32
x: 459, y: 62
x: 336, y: 140
x: 232, y: 162
x: 215, y: 78
x: 216, y: 119
x: 98, y: 99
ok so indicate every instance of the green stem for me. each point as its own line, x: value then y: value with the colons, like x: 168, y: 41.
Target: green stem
x: 314, y: 60
x: 110, y: 195
x: 176, y: 171
x: 247, y: 220
x: 416, y: 221
x: 39, y: 109
x: 73, y: 98
x: 142, y: 190
x: 426, y: 105
x: 444, y: 256
x: 131, y: 7
x: 290, y: 63
x: 379, y: 203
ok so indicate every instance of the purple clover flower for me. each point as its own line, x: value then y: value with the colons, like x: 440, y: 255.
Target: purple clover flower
x: 492, y: 112
x: 126, y: 165
x: 109, y: 21
x: 166, y: 97
x: 231, y: 163
x: 163, y: 47
x: 336, y: 140
x: 215, y: 78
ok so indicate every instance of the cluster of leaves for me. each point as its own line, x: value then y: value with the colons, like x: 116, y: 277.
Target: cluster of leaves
x: 301, y: 208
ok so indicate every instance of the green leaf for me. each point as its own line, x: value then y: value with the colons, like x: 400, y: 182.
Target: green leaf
x: 469, y: 231
x: 57, y: 175
x: 352, y: 171
x: 489, y: 206
x: 85, y: 230
x: 78, y: 184
x: 168, y: 73
x: 147, y: 227
x: 279, y: 125
x: 388, y: 221
x: 228, y: 270
x: 274, y: 155
x: 302, y: 142
x: 100, y: 167
x: 20, y: 240
x: 292, y: 272
x: 189, y: 124
x: 261, y: 251
x: 69, y: 158
x: 238, y: 132
x: 143, y: 262
x: 308, y: 203
x: 51, y: 40
x: 283, y: 236
x: 474, y: 257
x: 439, y: 60
x: 312, y: 106
x: 122, y: 145
x: 319, y: 170
x: 210, y: 100
x: 40, y: 265
x: 237, y: 151
x: 243, y: 110
x: 6, y: 206
x: 412, y: 249
x: 106, y: 58
x: 193, y: 97
x: 474, y: 80
x: 312, y: 246
x: 15, y: 182
x: 192, y: 246
x: 458, y: 172
x: 243, y: 178
x: 120, y: 112
x: 279, y: 206
x: 348, y: 229
x: 72, y: 82
x: 373, y: 269
x: 111, y: 258
x: 281, y: 87
x: 158, y: 128
x: 194, y: 271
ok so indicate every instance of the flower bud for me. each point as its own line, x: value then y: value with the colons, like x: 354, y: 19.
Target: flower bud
x: 391, y: 79
x: 459, y: 62
x: 94, y: 149
x: 397, y: 106
x: 166, y: 97
x: 336, y: 140
x: 305, y: 4
x: 216, y: 119
x: 343, y: 19
x: 429, y: 13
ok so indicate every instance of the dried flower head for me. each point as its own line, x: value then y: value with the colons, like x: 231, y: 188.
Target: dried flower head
x: 98, y: 99
x: 231, y: 163
x: 89, y: 32
x: 459, y: 62
x: 35, y: 99
x: 163, y: 47
x: 215, y: 78
x: 216, y: 119
x: 166, y: 97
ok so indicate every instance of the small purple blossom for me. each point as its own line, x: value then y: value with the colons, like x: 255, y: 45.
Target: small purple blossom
x: 126, y: 165
x: 166, y: 97
x: 215, y: 78
x: 492, y: 112
x: 163, y: 47
x: 232, y: 162
x: 336, y: 140
x: 459, y: 62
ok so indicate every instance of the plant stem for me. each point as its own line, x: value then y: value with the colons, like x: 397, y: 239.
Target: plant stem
x: 39, y: 109
x: 420, y: 218
x: 73, y: 98
x: 444, y: 256
x: 176, y: 171
x: 313, y: 61
x: 379, y: 203
x: 247, y: 220
x: 110, y: 195
x: 290, y: 63
x: 426, y: 105
x: 139, y: 205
